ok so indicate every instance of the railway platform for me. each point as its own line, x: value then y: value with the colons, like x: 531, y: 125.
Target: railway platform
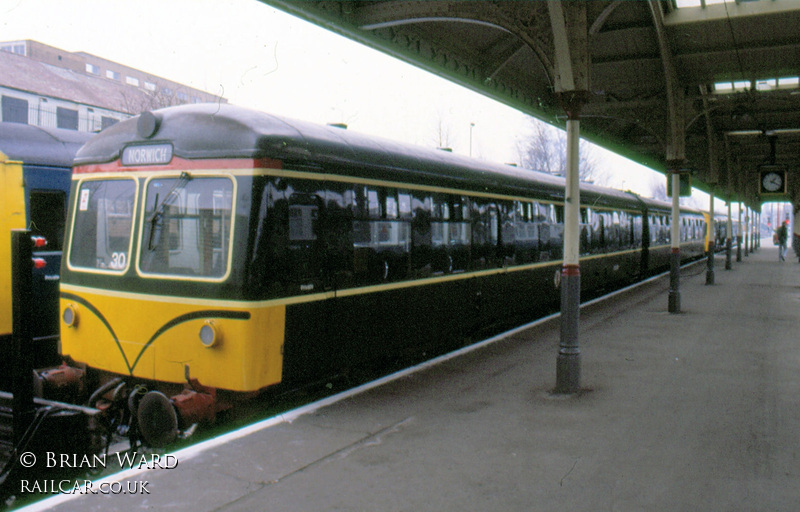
x: 690, y: 411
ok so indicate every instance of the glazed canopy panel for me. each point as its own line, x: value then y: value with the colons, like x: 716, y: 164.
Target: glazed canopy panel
x: 505, y: 50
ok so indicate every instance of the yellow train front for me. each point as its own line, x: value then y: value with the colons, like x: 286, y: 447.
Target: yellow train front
x: 213, y: 252
x: 153, y: 288
x: 155, y: 276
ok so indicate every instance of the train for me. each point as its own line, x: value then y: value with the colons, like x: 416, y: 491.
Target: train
x: 215, y: 252
x: 721, y: 231
x: 35, y: 179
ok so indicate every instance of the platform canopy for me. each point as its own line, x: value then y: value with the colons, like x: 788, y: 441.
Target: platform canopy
x: 702, y: 85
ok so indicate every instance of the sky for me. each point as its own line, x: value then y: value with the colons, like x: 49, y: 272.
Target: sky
x: 259, y: 57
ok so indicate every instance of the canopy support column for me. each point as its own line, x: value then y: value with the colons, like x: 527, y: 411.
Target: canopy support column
x: 674, y: 302
x: 747, y: 232
x: 728, y: 240
x: 568, y: 366
x: 568, y: 22
x: 712, y: 241
x: 739, y: 232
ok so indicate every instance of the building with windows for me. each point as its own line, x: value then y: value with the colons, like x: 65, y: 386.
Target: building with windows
x: 46, y: 86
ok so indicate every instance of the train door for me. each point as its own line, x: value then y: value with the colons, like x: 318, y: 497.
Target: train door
x: 305, y: 257
x: 46, y: 192
x: 337, y: 237
x: 491, y: 291
x: 290, y: 262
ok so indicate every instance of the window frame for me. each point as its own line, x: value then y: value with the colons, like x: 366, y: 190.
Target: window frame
x: 75, y: 202
x: 231, y: 228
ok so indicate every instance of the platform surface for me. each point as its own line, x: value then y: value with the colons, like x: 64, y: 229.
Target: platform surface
x: 691, y: 411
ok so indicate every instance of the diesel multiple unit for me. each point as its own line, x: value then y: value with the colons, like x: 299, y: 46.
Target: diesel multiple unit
x: 216, y: 251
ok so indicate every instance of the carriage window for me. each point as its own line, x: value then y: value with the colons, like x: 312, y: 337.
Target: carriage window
x: 441, y: 208
x: 559, y: 214
x: 544, y: 212
x: 523, y: 211
x: 101, y: 231
x: 485, y: 234
x: 404, y: 200
x: 382, y: 203
x: 389, y: 200
x: 187, y: 227
x: 303, y: 216
x: 374, y: 205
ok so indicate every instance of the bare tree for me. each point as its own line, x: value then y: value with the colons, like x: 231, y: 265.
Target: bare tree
x: 658, y: 191
x: 545, y: 149
x: 542, y: 150
x: 138, y: 101
x: 442, y: 136
x: 658, y: 188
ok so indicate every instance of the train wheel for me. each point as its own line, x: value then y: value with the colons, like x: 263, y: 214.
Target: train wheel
x: 158, y: 421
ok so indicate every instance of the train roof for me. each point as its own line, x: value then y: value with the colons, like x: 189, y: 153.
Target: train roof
x: 40, y: 146
x: 203, y: 131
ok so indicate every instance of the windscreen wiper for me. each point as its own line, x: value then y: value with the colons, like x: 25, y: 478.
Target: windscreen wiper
x: 156, y: 220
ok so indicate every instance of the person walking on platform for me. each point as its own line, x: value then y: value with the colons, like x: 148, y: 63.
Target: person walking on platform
x: 783, y: 237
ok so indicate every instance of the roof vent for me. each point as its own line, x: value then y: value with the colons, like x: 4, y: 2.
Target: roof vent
x: 449, y: 150
x: 343, y: 126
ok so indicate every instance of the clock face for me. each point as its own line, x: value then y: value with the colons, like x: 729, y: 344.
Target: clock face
x: 772, y: 181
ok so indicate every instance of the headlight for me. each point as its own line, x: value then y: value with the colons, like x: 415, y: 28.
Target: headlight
x: 70, y: 316
x: 209, y: 334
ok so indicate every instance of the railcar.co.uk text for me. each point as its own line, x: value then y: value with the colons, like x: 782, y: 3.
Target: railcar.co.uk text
x: 125, y: 460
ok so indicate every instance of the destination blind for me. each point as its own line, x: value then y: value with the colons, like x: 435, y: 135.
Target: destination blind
x: 149, y: 154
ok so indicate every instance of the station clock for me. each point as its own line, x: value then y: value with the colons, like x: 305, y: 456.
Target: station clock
x: 773, y: 180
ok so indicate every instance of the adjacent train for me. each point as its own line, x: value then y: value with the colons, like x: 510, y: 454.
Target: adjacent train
x: 35, y: 170
x: 214, y: 252
x: 721, y: 230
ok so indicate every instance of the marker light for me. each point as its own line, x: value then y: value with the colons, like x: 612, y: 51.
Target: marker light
x: 148, y: 124
x: 209, y: 334
x: 39, y: 263
x: 70, y: 316
x: 39, y: 242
